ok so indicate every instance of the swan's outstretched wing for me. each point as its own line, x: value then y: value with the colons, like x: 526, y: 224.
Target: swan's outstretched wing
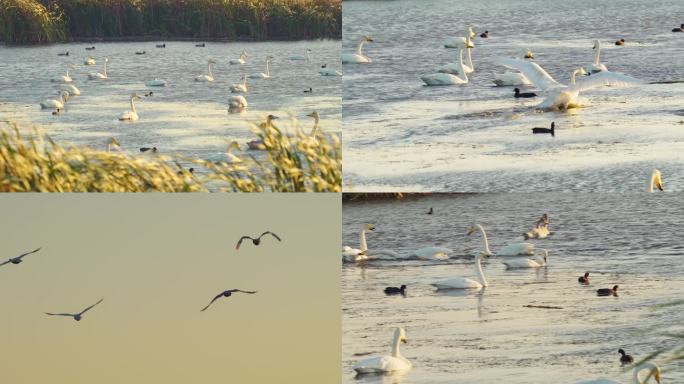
x: 91, y: 307
x: 270, y: 233
x: 604, y: 79
x: 534, y: 73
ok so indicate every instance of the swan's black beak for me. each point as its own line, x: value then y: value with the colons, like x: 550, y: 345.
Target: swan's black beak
x: 404, y: 341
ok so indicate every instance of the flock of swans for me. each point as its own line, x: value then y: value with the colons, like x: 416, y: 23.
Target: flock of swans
x: 515, y: 255
x: 237, y: 102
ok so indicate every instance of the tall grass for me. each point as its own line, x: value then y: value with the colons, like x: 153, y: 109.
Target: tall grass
x: 34, y: 162
x: 199, y: 19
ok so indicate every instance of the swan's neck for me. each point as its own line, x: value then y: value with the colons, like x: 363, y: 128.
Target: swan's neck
x: 651, y: 368
x: 470, y: 59
x: 461, y: 69
x: 67, y: 72
x: 652, y: 182
x: 105, y: 68
x: 267, y: 68
x: 362, y: 240
x: 572, y: 78
x: 597, y: 54
x: 314, y: 130
x: 132, y: 105
x: 485, y: 242
x: 395, y: 346
x: 359, y: 49
x: 209, y: 67
x: 480, y: 273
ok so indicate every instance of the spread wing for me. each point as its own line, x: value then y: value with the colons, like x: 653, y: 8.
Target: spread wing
x: 28, y: 253
x: 604, y: 79
x: 59, y: 314
x: 237, y: 247
x: 270, y: 233
x: 91, y: 307
x: 536, y: 74
x: 6, y: 262
x: 239, y: 290
x: 212, y: 301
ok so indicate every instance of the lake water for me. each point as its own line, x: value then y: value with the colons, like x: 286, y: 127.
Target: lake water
x: 632, y: 240
x: 401, y: 135
x: 186, y: 117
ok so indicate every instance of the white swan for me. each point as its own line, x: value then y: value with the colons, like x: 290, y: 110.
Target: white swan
x: 209, y: 77
x: 113, y: 145
x: 240, y: 60
x: 433, y: 253
x: 596, y: 66
x: 156, y: 83
x: 98, y: 75
x: 517, y: 249
x: 71, y: 89
x: 455, y: 68
x: 656, y: 181
x: 350, y: 254
x: 524, y: 262
x: 55, y: 103
x: 385, y: 364
x: 237, y: 102
x: 447, y: 78
x: 325, y: 71
x: 240, y: 87
x: 464, y: 282
x: 358, y: 57
x: 131, y: 115
x: 513, y: 78
x: 653, y: 372
x: 89, y: 60
x: 306, y: 57
x: 559, y: 96
x: 457, y: 42
x: 262, y: 75
x: 65, y: 78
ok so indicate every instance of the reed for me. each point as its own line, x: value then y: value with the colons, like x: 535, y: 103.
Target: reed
x: 28, y: 21
x: 299, y: 163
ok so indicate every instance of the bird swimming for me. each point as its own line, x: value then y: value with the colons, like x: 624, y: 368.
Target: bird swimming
x: 431, y: 211
x: 518, y: 94
x: 310, y: 90
x: 388, y: 363
x: 161, y: 45
x: 76, y: 316
x: 140, y: 52
x: 256, y: 241
x: 625, y: 358
x: 484, y: 34
x: 620, y: 42
x: 551, y: 130
x: 63, y: 54
x: 607, y: 291
x: 148, y: 149
x: 656, y: 181
x: 227, y: 293
x: 18, y: 259
x: 680, y: 29
x: 90, y: 48
x: 201, y: 45
x: 584, y: 279
x: 395, y: 290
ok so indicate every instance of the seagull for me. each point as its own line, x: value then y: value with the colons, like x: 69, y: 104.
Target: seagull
x: 256, y: 241
x: 17, y: 260
x: 76, y: 316
x: 227, y: 293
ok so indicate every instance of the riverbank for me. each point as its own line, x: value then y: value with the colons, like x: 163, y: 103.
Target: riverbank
x: 43, y: 21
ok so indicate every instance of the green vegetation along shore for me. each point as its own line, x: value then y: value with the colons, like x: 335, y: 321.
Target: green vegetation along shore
x: 49, y: 21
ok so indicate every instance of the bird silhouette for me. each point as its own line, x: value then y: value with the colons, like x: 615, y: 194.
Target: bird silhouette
x: 256, y: 241
x: 76, y: 316
x: 18, y: 259
x: 227, y: 293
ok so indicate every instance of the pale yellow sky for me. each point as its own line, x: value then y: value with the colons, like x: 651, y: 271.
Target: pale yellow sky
x: 157, y: 259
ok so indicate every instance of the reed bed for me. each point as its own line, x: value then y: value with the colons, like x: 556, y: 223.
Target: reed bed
x: 59, y: 20
x: 298, y: 163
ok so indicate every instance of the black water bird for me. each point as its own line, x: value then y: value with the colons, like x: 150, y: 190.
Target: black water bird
x: 551, y: 130
x: 484, y: 34
x: 625, y: 358
x: 227, y: 293
x: 680, y: 29
x: 518, y: 94
x: 430, y: 212
x: 395, y: 291
x: 607, y: 291
x: 140, y: 52
x: 90, y: 48
x: 310, y: 90
x: 620, y: 42
x: 76, y: 316
x: 161, y: 45
x: 256, y: 241
x: 200, y: 45
x: 63, y: 54
x: 18, y: 259
x: 148, y: 149
x: 148, y: 94
x: 584, y: 279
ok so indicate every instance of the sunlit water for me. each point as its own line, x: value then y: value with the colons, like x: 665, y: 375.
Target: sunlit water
x: 186, y: 117
x: 401, y: 135
x: 489, y: 337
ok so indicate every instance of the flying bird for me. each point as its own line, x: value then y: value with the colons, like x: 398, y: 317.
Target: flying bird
x: 256, y: 241
x: 227, y: 293
x: 76, y: 316
x: 18, y: 259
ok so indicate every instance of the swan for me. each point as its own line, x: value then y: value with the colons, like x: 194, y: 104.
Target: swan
x: 89, y: 60
x: 358, y: 57
x: 113, y: 145
x: 131, y: 115
x: 71, y: 89
x: 656, y: 181
x: 262, y: 75
x: 464, y: 282
x: 240, y: 87
x: 513, y: 78
x: 237, y: 102
x: 65, y: 78
x: 385, y: 364
x: 241, y: 60
x: 524, y: 262
x: 56, y: 103
x: 447, y: 78
x: 207, y: 78
x: 258, y: 145
x: 325, y: 71
x: 455, y: 68
x: 540, y: 232
x: 457, y: 42
x: 100, y: 76
x: 350, y: 254
x: 653, y: 372
x: 156, y: 83
x: 517, y: 249
x: 596, y: 66
x: 559, y: 96
x: 302, y: 57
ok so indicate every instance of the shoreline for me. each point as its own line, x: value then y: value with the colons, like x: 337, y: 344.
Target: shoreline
x: 160, y: 39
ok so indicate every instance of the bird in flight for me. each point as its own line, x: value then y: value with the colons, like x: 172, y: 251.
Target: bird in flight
x: 256, y: 241
x: 76, y: 316
x: 227, y: 293
x: 18, y: 259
